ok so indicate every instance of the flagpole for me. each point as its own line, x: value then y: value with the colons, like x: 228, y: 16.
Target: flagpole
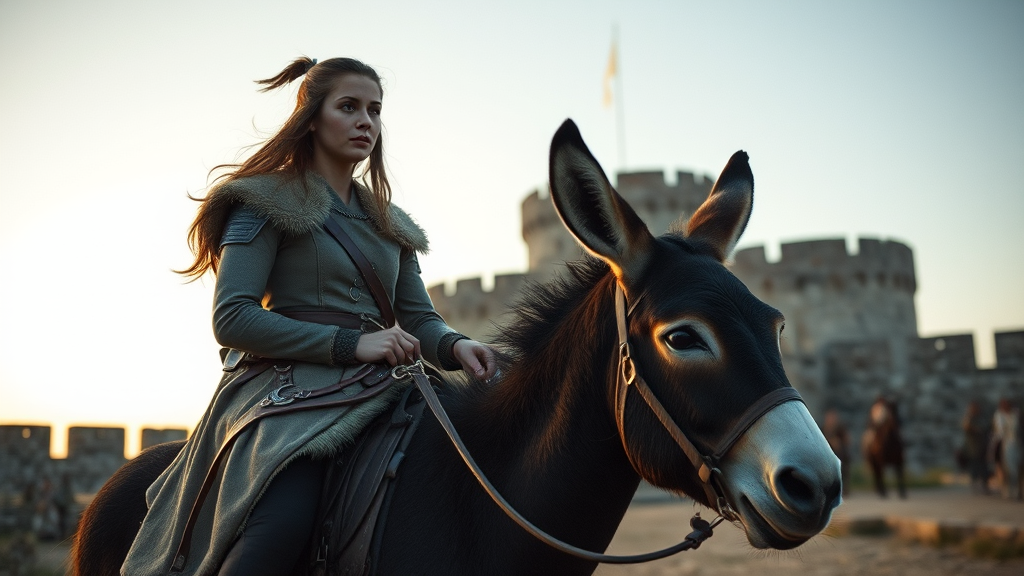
x: 620, y: 122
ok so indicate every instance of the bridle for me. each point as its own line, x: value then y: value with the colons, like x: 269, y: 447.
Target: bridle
x: 627, y: 377
x: 706, y: 465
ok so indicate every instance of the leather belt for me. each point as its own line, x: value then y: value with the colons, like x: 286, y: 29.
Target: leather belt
x: 338, y: 318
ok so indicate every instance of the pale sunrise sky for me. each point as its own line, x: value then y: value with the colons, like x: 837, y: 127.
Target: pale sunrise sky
x: 891, y: 119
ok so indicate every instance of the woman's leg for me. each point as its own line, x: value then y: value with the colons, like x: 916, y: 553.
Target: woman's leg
x: 281, y: 524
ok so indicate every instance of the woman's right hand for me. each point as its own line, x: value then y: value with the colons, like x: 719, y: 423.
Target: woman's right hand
x: 393, y: 345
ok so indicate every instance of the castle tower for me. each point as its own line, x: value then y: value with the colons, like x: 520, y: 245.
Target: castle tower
x: 656, y: 202
x: 830, y: 297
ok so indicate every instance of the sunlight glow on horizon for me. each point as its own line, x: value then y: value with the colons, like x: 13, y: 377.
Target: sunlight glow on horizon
x: 916, y: 135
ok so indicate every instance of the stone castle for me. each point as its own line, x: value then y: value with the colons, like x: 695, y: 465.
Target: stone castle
x: 851, y: 335
x: 851, y: 325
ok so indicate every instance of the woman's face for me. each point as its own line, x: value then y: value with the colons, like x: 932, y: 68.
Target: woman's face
x: 348, y: 124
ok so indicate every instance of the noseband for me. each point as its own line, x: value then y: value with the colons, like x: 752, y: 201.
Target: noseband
x: 706, y: 465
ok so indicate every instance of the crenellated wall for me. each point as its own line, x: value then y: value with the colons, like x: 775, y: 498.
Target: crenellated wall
x: 471, y: 309
x: 828, y: 294
x: 94, y: 453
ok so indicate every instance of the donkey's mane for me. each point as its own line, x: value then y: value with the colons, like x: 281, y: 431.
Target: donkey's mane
x: 539, y: 357
x: 542, y: 308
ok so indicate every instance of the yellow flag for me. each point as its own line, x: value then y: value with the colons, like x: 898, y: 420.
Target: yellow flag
x: 609, y: 73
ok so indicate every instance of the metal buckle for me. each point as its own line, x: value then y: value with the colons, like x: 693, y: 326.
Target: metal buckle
x: 726, y: 511
x: 402, y: 371
x: 278, y: 399
x: 627, y: 367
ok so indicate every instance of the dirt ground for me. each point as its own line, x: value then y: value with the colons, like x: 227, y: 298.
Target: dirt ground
x: 658, y: 523
x: 653, y: 526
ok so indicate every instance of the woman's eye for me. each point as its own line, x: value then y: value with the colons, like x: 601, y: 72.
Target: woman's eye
x: 347, y: 107
x: 683, y: 339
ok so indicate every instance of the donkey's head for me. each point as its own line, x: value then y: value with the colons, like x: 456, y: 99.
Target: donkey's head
x: 708, y: 350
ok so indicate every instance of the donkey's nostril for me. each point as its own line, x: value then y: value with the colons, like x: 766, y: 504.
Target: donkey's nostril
x: 793, y: 488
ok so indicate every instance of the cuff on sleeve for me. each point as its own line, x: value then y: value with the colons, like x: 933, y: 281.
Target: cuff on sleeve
x: 343, y: 349
x: 445, y: 353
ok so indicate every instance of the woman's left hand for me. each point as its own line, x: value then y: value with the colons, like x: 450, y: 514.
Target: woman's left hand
x: 476, y: 359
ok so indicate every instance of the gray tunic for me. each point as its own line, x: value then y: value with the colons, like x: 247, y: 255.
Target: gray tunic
x: 276, y: 254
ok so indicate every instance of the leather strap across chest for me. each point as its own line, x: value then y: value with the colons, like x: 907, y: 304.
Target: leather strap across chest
x: 706, y: 464
x: 380, y: 295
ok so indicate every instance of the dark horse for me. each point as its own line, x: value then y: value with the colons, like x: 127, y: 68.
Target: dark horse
x: 883, y: 445
x: 547, y: 435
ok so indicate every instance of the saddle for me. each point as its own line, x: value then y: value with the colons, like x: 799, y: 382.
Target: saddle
x: 359, y: 483
x: 357, y: 493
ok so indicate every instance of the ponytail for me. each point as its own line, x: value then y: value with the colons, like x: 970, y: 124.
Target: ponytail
x: 294, y: 71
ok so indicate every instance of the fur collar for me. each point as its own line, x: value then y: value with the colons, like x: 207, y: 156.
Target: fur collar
x: 295, y: 209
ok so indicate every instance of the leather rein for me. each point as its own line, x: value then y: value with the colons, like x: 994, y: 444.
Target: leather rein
x: 627, y: 377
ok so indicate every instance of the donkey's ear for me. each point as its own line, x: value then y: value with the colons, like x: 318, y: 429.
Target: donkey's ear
x: 591, y: 208
x: 720, y: 220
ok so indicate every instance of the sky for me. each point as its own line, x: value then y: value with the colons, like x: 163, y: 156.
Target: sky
x: 895, y: 120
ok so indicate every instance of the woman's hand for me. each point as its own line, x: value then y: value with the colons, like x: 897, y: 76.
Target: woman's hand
x: 476, y: 359
x: 393, y: 345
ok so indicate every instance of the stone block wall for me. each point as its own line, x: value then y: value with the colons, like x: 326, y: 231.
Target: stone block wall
x: 1010, y: 350
x: 474, y: 311
x: 931, y: 400
x: 24, y: 457
x: 829, y: 295
x: 153, y: 436
x: 94, y: 453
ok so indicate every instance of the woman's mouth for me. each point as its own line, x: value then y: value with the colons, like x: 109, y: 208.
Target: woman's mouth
x: 361, y: 139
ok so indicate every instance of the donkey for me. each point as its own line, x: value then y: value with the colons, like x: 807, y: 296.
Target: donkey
x: 558, y: 436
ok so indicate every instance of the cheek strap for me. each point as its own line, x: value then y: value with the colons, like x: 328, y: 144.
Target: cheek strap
x: 706, y: 465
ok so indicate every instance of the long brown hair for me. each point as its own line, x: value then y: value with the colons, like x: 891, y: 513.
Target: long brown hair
x: 290, y: 151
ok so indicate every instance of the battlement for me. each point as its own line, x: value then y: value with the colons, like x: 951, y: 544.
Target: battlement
x: 944, y: 354
x: 94, y: 453
x: 885, y: 264
x: 472, y: 310
x: 1010, y: 350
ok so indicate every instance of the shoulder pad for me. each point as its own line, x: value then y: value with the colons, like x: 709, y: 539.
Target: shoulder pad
x: 242, y: 226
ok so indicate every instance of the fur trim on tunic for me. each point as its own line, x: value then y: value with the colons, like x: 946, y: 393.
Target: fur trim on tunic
x: 296, y: 209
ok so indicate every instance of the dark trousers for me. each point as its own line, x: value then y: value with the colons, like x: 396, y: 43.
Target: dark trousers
x: 281, y: 524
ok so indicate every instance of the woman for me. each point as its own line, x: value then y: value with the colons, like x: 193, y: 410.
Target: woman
x: 288, y: 290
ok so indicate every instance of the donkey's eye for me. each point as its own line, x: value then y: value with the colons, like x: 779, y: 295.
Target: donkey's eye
x: 684, y: 339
